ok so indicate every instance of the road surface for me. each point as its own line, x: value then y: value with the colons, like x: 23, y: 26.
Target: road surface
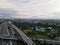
x: 5, y: 37
x: 24, y: 37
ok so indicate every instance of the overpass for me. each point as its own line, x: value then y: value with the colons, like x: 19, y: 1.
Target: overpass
x: 24, y: 37
x: 5, y: 37
x: 5, y: 34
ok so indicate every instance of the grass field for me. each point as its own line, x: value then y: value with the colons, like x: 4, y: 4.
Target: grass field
x: 34, y: 34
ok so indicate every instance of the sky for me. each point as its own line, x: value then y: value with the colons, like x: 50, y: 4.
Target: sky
x: 30, y: 9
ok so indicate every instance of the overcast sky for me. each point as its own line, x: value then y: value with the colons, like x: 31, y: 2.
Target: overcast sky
x: 39, y: 9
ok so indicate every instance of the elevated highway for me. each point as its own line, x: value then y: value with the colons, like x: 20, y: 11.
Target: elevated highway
x: 24, y: 37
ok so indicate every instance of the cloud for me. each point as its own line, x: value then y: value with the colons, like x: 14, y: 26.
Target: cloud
x: 18, y: 1
x: 7, y: 13
x: 23, y: 7
x: 44, y: 9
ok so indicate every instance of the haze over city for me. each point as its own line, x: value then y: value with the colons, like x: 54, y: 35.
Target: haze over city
x: 30, y: 9
x: 29, y: 22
